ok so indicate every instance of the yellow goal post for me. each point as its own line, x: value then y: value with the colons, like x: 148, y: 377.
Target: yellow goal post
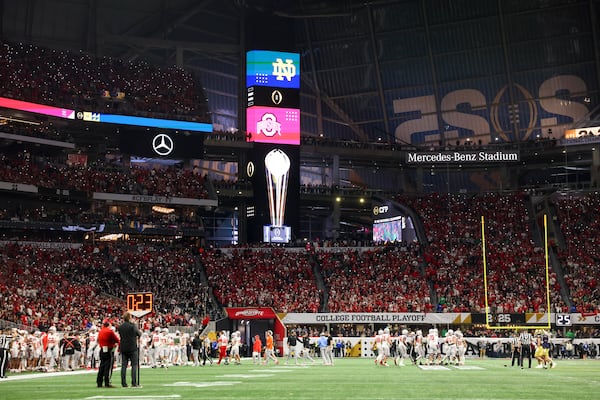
x: 488, y: 315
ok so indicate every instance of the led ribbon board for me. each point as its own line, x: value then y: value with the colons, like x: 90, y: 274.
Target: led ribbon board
x: 145, y: 122
x: 105, y: 118
x: 37, y: 108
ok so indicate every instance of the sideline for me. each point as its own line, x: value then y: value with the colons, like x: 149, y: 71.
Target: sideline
x: 35, y: 375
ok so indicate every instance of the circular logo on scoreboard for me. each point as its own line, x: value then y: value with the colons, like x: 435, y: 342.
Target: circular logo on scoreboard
x: 162, y: 144
x: 250, y: 169
x: 276, y: 97
x: 380, y: 210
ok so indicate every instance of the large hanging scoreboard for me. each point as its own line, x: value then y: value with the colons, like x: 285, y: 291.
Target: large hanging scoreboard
x: 273, y: 124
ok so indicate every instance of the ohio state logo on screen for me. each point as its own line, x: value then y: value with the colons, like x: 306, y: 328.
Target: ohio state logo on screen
x: 268, y: 125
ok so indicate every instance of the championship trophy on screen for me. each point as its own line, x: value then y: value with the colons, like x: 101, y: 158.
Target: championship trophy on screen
x: 277, y: 167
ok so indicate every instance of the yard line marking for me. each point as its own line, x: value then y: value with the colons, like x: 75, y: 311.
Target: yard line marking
x: 271, y: 370
x: 434, y: 368
x: 202, y: 384
x: 143, y: 397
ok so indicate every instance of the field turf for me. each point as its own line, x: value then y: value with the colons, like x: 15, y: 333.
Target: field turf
x: 350, y: 378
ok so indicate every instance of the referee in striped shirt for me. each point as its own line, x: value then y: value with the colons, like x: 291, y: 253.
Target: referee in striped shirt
x: 4, y: 347
x: 526, y: 339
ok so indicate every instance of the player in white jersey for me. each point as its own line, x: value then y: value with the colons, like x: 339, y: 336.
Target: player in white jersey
x: 450, y: 350
x: 173, y: 354
x: 207, y: 350
x: 92, y: 355
x: 155, y: 347
x: 52, y: 340
x: 183, y: 348
x: 234, y: 351
x: 386, y: 344
x: 164, y: 348
x: 23, y: 350
x: 16, y: 353
x: 433, y: 346
x: 410, y: 346
x: 401, y: 348
x: 146, y: 348
x: 34, y: 351
x: 419, y: 348
x: 377, y: 347
x: 461, y: 347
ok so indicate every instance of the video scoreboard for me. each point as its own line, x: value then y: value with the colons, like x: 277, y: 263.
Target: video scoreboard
x: 273, y: 97
x: 273, y: 125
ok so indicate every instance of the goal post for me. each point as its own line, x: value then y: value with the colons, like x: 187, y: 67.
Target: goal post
x: 488, y: 315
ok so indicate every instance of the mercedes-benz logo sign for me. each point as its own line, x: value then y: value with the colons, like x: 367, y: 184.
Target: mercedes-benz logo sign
x: 162, y: 144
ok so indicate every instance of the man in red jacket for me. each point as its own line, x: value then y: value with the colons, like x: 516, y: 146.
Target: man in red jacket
x: 107, y: 341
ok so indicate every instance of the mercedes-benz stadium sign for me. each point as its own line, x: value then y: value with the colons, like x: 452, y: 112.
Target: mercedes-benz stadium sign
x: 463, y: 157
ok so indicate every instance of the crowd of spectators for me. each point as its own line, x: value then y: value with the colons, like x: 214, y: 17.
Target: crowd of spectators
x: 454, y: 264
x: 579, y: 218
x: 77, y: 80
x: 66, y: 286
x: 446, y: 274
x: 263, y: 277
x: 44, y: 130
x: 385, y: 279
x: 42, y: 172
x: 61, y: 287
x: 173, y: 272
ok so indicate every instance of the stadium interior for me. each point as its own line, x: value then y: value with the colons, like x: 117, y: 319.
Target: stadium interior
x: 427, y: 115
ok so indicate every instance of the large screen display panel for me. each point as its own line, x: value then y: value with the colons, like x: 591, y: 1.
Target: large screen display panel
x: 391, y: 224
x: 274, y: 171
x: 389, y: 230
x: 273, y: 125
x: 272, y: 68
x: 165, y: 145
x: 277, y: 234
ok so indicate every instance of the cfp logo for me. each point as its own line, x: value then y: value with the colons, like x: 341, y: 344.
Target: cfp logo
x: 276, y: 97
x: 268, y: 125
x: 250, y: 168
x: 162, y: 144
x: 380, y: 210
x: 285, y: 69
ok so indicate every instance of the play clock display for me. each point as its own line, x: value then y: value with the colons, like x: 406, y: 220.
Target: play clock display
x: 139, y: 304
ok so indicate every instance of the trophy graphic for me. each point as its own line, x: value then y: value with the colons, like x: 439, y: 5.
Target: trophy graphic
x: 277, y: 167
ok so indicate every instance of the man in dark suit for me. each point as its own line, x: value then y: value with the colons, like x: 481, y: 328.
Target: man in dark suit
x: 130, y: 334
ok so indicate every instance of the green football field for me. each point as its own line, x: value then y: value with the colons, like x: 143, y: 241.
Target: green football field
x: 350, y: 378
